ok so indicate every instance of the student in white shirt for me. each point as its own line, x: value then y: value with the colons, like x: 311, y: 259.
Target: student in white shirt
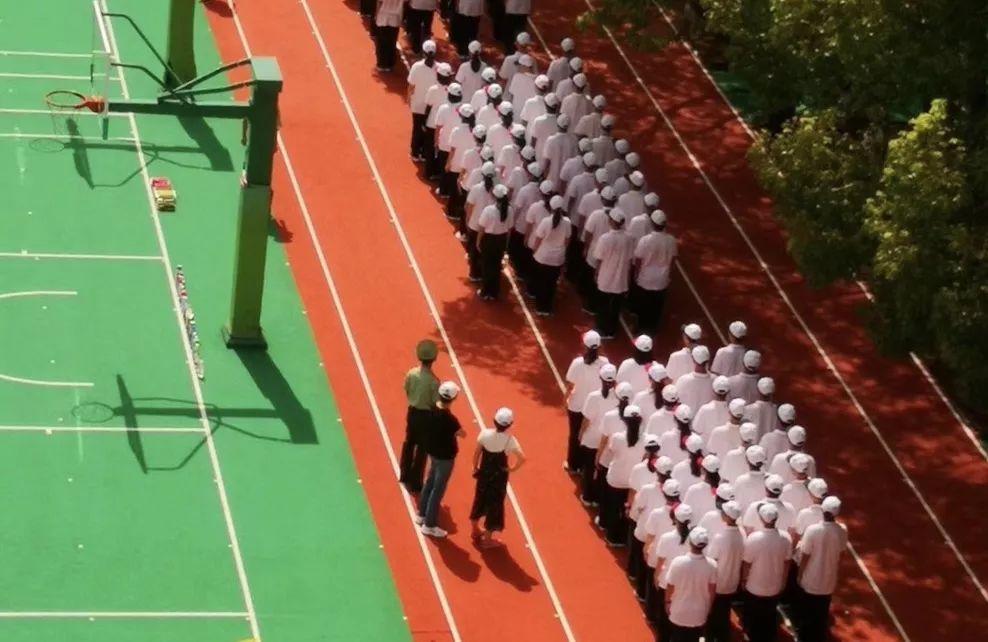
x: 490, y: 114
x: 496, y: 457
x: 691, y: 585
x: 744, y: 385
x: 465, y: 136
x: 387, y: 20
x: 734, y: 463
x: 578, y: 104
x: 534, y: 215
x: 727, y: 361
x: 492, y: 241
x: 597, y: 404
x: 634, y: 369
x: 418, y: 23
x: 777, y: 441
x: 435, y: 97
x: 652, y: 511
x: 580, y: 179
x: 727, y: 550
x: 478, y: 198
x: 700, y: 495
x: 471, y: 72
x: 680, y: 362
x: 581, y: 163
x: 626, y: 448
x: 713, y: 413
x: 674, y: 440
x: 535, y: 106
x: 655, y: 253
x: 763, y: 412
x: 797, y: 446
x: 812, y: 514
x: 688, y: 471
x: 583, y: 376
x: 559, y: 148
x: 448, y: 118
x: 510, y: 161
x: 584, y: 198
x: 614, y: 252
x: 552, y: 235
x: 465, y: 24
x: 664, y: 550
x: 421, y: 77
x: 509, y: 66
x: 750, y: 486
x: 696, y: 388
x: 597, y: 224
x: 650, y: 399
x: 576, y: 82
x: 529, y: 194
x: 663, y: 419
x: 479, y: 97
x: 589, y: 125
x: 522, y: 84
x: 644, y: 474
x: 799, y: 492
x: 820, y: 551
x: 727, y: 436
x: 623, y: 184
x: 610, y: 425
x: 540, y: 129
x: 499, y: 132
x: 786, y: 521
x: 767, y: 554
x: 559, y: 68
x: 633, y: 201
x: 603, y: 145
x: 725, y: 508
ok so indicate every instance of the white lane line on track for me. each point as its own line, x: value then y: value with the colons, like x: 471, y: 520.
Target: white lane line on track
x: 8, y: 74
x: 102, y: 429
x: 523, y: 523
x: 410, y: 507
x: 120, y: 615
x: 196, y: 387
x: 24, y: 254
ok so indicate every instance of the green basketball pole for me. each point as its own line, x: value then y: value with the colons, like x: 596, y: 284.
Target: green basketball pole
x: 180, y: 53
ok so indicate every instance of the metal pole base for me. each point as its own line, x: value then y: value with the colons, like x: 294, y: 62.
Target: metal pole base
x: 250, y: 342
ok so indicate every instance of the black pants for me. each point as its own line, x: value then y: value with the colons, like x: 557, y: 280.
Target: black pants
x: 719, y: 620
x: 463, y: 29
x: 574, y: 261
x: 547, y: 277
x: 521, y: 256
x: 429, y: 151
x: 495, y: 9
x: 445, y: 9
x: 646, y: 583
x: 609, y: 313
x: 513, y: 24
x: 812, y: 617
x: 760, y: 618
x: 457, y: 199
x: 418, y: 23
x: 418, y: 135
x: 648, y: 306
x: 588, y: 288
x: 617, y: 527
x: 659, y: 615
x: 684, y: 633
x: 473, y: 255
x: 438, y: 172
x: 492, y: 248
x: 636, y: 558
x: 413, y: 455
x: 385, y: 40
x: 367, y: 8
x: 608, y: 512
x: 588, y: 467
x: 573, y: 461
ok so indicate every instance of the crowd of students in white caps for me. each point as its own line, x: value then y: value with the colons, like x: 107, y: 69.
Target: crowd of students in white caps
x: 695, y: 468
x: 527, y: 164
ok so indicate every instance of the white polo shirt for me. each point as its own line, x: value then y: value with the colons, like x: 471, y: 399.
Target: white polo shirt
x: 767, y: 551
x: 590, y: 203
x: 646, y: 500
x: 727, y: 549
x: 434, y: 97
x: 639, y: 227
x: 774, y: 442
x: 512, y: 167
x: 498, y: 137
x: 780, y: 466
x: 797, y: 495
x: 576, y: 106
x: 679, y: 363
x: 521, y: 88
x: 671, y: 445
x: 594, y: 409
x: 662, y: 421
x: 539, y: 132
x: 578, y: 187
x: 534, y: 107
x: 470, y: 7
x: 488, y: 116
x: 683, y: 473
x: 623, y: 458
x: 603, y: 149
x: 490, y: 220
x: 763, y: 414
x: 636, y: 374
x: 823, y: 543
x: 522, y: 200
x: 616, y: 168
x: 589, y: 126
x: 700, y: 497
x: 812, y: 514
x: 559, y: 148
x: 655, y: 252
x: 713, y: 522
x: 695, y: 389
x: 658, y: 523
x: 478, y: 198
x: 733, y: 464
x: 552, y: 249
x: 668, y: 547
x: 446, y: 121
x: 459, y: 142
x: 640, y: 474
x: 559, y: 70
x: 420, y: 77
x: 749, y: 488
x: 584, y: 378
x: 646, y: 400
x: 745, y: 386
x: 691, y: 575
x: 610, y: 425
x: 710, y: 415
x: 723, y: 438
x: 632, y: 203
x: 785, y: 523
x: 571, y: 167
x: 728, y: 360
x: 389, y: 13
x: 614, y: 251
x: 597, y: 225
x: 535, y: 214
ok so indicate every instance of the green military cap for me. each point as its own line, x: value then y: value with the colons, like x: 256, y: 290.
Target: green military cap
x: 426, y: 350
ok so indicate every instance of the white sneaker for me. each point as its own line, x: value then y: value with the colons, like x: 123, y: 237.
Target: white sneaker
x: 435, y: 531
x: 419, y: 519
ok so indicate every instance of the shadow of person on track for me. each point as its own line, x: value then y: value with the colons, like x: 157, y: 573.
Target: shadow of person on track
x: 504, y: 566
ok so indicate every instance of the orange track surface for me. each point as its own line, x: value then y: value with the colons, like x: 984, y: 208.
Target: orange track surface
x: 920, y: 577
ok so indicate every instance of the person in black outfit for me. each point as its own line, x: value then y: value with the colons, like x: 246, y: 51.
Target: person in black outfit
x: 440, y: 444
x: 491, y: 468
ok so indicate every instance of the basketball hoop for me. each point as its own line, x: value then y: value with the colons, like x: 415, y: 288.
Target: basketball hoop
x: 63, y: 102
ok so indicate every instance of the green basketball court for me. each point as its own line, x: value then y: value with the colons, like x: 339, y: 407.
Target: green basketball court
x: 140, y: 502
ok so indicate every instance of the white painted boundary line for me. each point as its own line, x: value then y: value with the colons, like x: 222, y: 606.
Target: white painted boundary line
x: 523, y: 524
x: 410, y: 507
x: 15, y: 295
x: 799, y: 319
x: 24, y: 254
x: 864, y: 288
x: 120, y: 615
x: 44, y: 54
x: 102, y: 429
x: 88, y: 139
x: 49, y: 112
x: 7, y: 74
x: 196, y: 387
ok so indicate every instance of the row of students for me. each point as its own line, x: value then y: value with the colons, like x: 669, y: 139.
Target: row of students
x: 734, y: 472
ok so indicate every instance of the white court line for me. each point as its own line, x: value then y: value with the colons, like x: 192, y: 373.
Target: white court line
x: 51, y: 112
x: 410, y: 507
x: 120, y: 615
x: 8, y: 74
x: 24, y: 254
x: 44, y: 54
x: 88, y: 139
x: 15, y: 295
x: 523, y: 524
x: 103, y: 429
x: 196, y: 387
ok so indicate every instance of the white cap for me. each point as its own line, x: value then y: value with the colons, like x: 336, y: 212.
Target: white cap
x: 749, y: 432
x: 774, y: 484
x: 651, y: 200
x: 669, y: 393
x: 599, y: 101
x: 607, y: 193
x: 518, y: 131
x: 488, y: 169
x: 657, y: 372
x: 752, y: 359
x: 589, y: 158
x: 607, y: 121
x: 528, y: 152
x: 755, y: 455
x: 725, y: 490
x: 711, y: 463
x: 551, y: 100
x: 448, y: 390
x: 429, y: 46
x: 670, y: 487
x: 608, y: 372
x: 504, y: 417
x: 444, y: 69
x: 622, y: 146
x: 557, y: 202
x: 831, y: 505
x: 601, y: 175
x: 500, y: 191
x: 694, y: 443
x: 700, y: 354
x: 683, y: 513
x: 525, y: 60
x: 797, y: 435
x: 683, y: 413
x: 637, y: 178
x: 473, y: 47
x: 504, y: 108
x: 523, y: 38
x: 591, y: 339
x: 817, y: 487
x: 466, y: 110
x: 664, y: 465
x: 799, y: 462
x: 562, y: 120
x: 542, y: 82
x: 617, y: 215
x: 454, y: 89
x: 731, y: 508
x: 787, y: 413
x: 699, y: 537
x: 584, y: 145
x: 658, y: 217
x: 580, y: 80
x: 692, y: 331
x: 486, y: 154
x: 737, y: 329
x: 489, y: 74
x: 479, y: 131
x: 768, y: 512
x: 547, y: 187
x: 766, y: 385
x: 634, y: 160
x: 624, y: 390
x: 643, y: 342
x: 567, y: 45
x: 736, y: 407
x: 631, y: 410
x: 651, y: 441
x: 721, y: 385
x: 535, y: 168
x: 576, y: 63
